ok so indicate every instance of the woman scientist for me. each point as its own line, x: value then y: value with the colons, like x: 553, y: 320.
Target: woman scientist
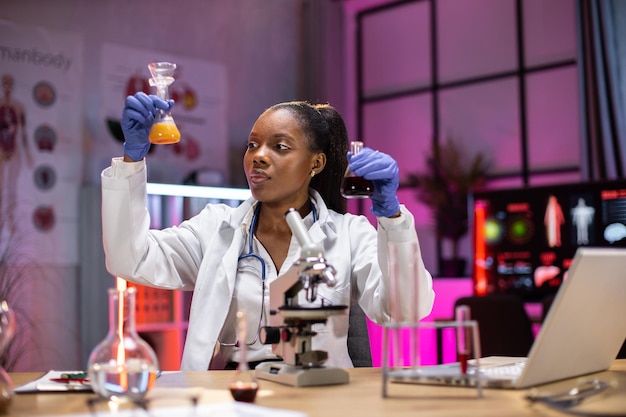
x: 295, y: 157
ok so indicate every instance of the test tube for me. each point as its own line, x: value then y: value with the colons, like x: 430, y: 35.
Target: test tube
x: 463, y: 336
x: 404, y: 269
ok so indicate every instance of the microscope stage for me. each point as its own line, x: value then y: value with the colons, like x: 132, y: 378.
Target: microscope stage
x: 311, y: 313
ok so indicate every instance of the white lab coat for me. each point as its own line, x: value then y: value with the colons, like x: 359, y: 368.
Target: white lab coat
x: 201, y: 255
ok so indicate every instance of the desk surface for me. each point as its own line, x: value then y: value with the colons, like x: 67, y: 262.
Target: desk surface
x: 361, y: 396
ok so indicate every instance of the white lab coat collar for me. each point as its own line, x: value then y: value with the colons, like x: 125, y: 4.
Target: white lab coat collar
x: 323, y: 228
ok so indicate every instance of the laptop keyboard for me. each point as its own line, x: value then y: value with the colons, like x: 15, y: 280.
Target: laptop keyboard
x: 508, y: 370
x: 512, y: 369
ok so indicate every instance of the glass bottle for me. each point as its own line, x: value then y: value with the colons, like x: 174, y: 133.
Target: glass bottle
x: 122, y: 367
x: 353, y: 186
x: 7, y: 328
x: 243, y: 384
x: 164, y: 130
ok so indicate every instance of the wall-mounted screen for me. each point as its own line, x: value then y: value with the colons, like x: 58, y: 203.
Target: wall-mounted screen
x: 524, y: 239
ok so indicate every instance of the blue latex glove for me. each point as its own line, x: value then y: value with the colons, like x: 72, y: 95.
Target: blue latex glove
x: 383, y: 171
x: 137, y: 119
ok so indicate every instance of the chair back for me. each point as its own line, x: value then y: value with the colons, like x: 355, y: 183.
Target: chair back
x: 358, y: 338
x: 504, y: 326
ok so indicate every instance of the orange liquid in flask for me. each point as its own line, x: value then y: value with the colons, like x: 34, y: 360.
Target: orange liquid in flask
x: 164, y: 133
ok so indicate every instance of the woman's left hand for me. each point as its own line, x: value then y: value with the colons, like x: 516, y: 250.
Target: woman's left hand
x: 383, y: 171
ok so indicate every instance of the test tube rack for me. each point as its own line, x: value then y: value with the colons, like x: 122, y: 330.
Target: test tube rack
x: 414, y: 372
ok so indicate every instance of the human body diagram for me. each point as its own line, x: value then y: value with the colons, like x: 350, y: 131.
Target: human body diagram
x: 582, y: 216
x: 13, y: 142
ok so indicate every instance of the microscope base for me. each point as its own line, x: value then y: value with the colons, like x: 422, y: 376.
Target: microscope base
x: 299, y: 377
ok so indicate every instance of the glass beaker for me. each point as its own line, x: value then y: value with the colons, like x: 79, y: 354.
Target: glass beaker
x: 243, y: 384
x: 123, y: 367
x: 7, y: 328
x: 164, y: 130
x: 353, y: 186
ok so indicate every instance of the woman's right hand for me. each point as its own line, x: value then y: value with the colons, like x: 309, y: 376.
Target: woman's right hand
x: 137, y: 119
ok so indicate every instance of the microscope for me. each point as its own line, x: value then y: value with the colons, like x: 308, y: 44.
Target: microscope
x: 291, y: 323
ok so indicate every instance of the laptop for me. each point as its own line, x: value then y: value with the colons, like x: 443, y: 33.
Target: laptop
x: 582, y: 333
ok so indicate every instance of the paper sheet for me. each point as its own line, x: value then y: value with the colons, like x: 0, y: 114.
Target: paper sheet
x: 45, y: 384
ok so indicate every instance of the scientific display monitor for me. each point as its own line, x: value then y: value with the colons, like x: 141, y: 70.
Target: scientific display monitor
x: 524, y: 239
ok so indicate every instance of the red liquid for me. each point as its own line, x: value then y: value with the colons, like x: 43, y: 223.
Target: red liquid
x: 463, y: 358
x: 244, y: 392
x: 356, y: 187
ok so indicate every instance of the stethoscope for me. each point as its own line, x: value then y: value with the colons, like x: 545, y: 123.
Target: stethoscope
x: 252, y: 255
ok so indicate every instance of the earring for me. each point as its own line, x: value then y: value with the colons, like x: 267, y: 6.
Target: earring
x: 312, y: 173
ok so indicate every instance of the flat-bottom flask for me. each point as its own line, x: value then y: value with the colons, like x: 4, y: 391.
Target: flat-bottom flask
x: 123, y: 367
x: 7, y: 328
x: 243, y: 384
x: 353, y: 186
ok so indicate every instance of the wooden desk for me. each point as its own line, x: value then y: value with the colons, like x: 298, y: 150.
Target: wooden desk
x: 362, y: 396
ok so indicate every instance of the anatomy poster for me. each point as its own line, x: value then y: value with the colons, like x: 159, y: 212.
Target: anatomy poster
x: 41, y: 151
x: 199, y: 90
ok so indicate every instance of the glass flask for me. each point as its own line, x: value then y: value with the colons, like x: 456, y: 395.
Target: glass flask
x: 122, y: 367
x: 164, y: 130
x: 243, y: 384
x: 7, y: 328
x: 353, y: 186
